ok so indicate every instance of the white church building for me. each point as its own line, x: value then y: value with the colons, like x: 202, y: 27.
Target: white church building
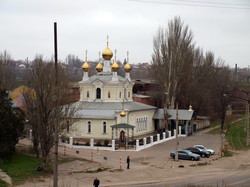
x: 106, y: 110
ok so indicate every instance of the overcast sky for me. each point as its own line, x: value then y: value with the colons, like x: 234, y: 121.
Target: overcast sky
x: 26, y: 27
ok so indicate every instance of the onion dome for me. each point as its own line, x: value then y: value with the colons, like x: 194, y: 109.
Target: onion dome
x: 115, y: 65
x: 127, y: 67
x: 107, y: 54
x: 86, y: 65
x: 190, y: 108
x: 123, y: 114
x: 99, y: 67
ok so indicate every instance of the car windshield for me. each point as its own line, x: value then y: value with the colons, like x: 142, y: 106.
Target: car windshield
x: 188, y: 152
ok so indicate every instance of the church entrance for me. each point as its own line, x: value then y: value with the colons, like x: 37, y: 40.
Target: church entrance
x: 122, y: 133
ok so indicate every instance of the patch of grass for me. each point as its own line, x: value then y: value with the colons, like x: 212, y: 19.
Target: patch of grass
x: 202, y: 164
x: 228, y: 154
x: 236, y: 136
x: 3, y: 184
x: 67, y: 160
x: 214, y: 131
x: 97, y: 170
x: 21, y: 167
x: 215, y: 123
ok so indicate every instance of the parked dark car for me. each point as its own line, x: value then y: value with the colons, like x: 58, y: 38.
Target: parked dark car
x: 185, y: 155
x: 200, y: 152
x: 212, y: 152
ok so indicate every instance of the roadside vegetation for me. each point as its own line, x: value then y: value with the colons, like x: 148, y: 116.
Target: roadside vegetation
x: 236, y: 136
x: 21, y: 168
x: 3, y: 184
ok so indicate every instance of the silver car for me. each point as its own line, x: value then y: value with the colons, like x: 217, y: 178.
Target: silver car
x: 212, y: 152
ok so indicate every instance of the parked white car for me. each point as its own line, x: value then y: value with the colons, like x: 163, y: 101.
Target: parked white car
x: 212, y: 152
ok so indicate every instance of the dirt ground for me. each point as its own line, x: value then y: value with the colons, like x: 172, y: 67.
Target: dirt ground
x: 149, y: 166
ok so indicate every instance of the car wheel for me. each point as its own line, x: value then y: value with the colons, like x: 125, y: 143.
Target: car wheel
x: 203, y: 155
x: 173, y: 157
x: 192, y: 158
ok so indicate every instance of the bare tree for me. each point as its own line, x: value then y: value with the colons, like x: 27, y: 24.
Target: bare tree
x: 222, y: 86
x: 7, y: 71
x: 172, y: 58
x: 48, y: 105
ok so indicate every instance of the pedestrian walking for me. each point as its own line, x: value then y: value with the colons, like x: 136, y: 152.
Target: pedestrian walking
x: 96, y: 182
x: 128, y: 162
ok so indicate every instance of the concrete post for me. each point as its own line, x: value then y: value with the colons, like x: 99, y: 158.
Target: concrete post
x: 174, y: 133
x: 113, y: 145
x: 164, y: 135
x: 91, y: 142
x: 169, y: 134
x: 144, y: 142
x: 158, y: 137
x: 71, y: 142
x: 31, y: 134
x: 179, y: 130
x: 151, y: 139
x: 137, y: 145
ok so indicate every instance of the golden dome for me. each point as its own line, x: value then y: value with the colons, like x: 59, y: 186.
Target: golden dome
x: 99, y: 67
x: 85, y: 66
x: 127, y: 67
x: 123, y: 114
x: 107, y: 54
x: 115, y: 66
x: 190, y: 108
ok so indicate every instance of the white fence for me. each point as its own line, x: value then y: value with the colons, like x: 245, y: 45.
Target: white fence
x: 138, y: 147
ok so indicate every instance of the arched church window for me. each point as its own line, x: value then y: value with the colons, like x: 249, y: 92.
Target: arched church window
x: 120, y: 95
x: 67, y: 126
x: 108, y: 94
x: 89, y: 127
x: 87, y: 94
x: 98, y: 93
x: 128, y: 94
x: 104, y: 127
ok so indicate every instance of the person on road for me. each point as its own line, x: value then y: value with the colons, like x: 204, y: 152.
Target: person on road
x: 96, y: 182
x: 128, y: 162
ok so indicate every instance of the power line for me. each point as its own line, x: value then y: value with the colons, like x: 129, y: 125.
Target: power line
x: 211, y: 2
x: 188, y: 4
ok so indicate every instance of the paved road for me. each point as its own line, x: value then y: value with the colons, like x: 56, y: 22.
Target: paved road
x: 152, y: 166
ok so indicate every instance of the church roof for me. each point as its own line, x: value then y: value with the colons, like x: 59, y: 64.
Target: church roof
x: 122, y: 126
x: 106, y: 110
x: 105, y: 77
x: 182, y: 114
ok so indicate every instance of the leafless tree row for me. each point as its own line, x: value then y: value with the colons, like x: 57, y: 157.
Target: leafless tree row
x: 7, y: 71
x: 186, y: 74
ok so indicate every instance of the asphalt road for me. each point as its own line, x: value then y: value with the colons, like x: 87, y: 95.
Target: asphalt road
x: 154, y: 167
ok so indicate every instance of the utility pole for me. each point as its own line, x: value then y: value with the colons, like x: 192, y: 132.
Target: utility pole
x: 247, y: 125
x: 55, y: 184
x: 176, y: 133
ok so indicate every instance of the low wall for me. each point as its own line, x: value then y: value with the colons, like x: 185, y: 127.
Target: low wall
x: 166, y: 137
